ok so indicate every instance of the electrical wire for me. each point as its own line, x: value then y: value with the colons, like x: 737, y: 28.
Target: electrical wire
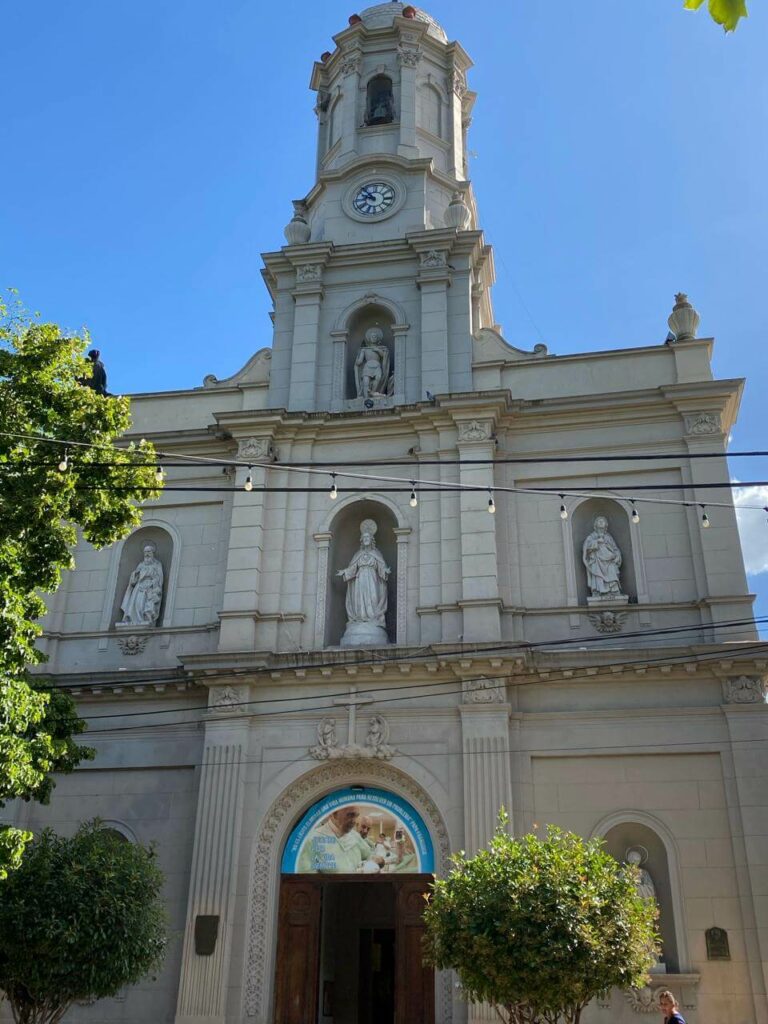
x: 429, y: 653
x: 584, y: 674
x: 409, y: 484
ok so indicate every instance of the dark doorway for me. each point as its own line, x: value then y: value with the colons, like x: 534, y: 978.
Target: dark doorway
x: 349, y: 951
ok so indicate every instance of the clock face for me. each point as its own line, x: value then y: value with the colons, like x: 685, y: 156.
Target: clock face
x: 375, y: 197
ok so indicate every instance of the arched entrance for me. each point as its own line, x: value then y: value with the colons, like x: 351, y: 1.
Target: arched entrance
x: 354, y: 873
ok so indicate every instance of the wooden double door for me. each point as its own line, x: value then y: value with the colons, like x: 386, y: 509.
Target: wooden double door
x: 339, y: 963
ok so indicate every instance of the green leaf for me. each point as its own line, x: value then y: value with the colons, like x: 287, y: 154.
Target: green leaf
x: 725, y: 12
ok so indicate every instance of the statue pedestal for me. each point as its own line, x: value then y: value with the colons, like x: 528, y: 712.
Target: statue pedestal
x: 608, y: 601
x: 134, y: 626
x: 364, y: 634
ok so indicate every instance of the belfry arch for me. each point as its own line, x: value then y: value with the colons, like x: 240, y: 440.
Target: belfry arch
x: 264, y: 883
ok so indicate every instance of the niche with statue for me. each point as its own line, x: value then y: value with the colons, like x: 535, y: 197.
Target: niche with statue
x: 603, y: 554
x: 362, y: 577
x: 634, y: 843
x: 142, y: 579
x: 370, y: 359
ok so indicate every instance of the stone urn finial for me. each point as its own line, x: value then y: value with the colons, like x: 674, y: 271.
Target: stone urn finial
x: 683, y: 320
x: 297, y: 231
x: 457, y: 215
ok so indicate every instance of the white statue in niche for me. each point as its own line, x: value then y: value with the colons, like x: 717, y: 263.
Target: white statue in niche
x: 602, y: 558
x: 366, y: 578
x: 372, y: 376
x: 141, y: 602
x: 637, y: 856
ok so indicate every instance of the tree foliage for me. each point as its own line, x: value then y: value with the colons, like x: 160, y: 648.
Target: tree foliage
x: 725, y: 12
x: 538, y: 927
x: 79, y: 919
x: 42, y: 397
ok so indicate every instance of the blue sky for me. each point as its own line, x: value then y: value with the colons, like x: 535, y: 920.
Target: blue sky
x: 621, y: 154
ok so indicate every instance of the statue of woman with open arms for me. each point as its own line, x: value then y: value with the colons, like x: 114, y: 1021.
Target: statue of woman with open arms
x: 366, y: 578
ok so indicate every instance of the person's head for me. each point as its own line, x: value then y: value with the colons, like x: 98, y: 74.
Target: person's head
x: 600, y: 524
x: 374, y: 335
x: 364, y: 826
x: 149, y: 552
x: 382, y: 837
x: 634, y: 856
x: 667, y: 1002
x: 94, y: 355
x: 344, y: 819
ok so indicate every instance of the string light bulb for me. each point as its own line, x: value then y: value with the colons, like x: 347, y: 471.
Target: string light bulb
x: 159, y: 473
x: 705, y: 523
x: 563, y: 509
x: 64, y: 464
x: 248, y: 485
x: 491, y: 505
x: 414, y: 499
x: 635, y: 514
x: 333, y: 493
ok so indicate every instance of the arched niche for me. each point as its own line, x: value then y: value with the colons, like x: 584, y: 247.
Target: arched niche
x: 361, y: 322
x: 345, y: 541
x: 348, y: 335
x: 578, y: 527
x: 379, y: 100
x: 131, y: 554
x: 636, y: 829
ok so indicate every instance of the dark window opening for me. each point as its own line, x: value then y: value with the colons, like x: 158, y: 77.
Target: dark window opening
x: 380, y: 106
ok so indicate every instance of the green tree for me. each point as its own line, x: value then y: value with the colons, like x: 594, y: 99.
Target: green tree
x: 43, y: 399
x: 79, y: 919
x: 538, y: 927
x: 725, y: 12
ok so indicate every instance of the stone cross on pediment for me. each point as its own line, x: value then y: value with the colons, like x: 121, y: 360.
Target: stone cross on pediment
x: 376, y: 741
x: 352, y: 703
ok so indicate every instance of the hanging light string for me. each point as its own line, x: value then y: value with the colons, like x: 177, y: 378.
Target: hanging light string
x: 433, y: 485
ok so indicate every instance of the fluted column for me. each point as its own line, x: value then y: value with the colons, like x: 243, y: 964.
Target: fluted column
x: 207, y: 938
x: 487, y: 776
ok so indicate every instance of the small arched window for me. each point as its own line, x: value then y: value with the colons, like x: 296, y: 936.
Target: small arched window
x: 431, y: 110
x: 334, y: 123
x: 380, y: 105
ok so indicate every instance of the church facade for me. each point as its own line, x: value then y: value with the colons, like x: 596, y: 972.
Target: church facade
x: 404, y: 574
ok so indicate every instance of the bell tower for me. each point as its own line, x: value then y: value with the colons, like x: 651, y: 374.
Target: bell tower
x: 385, y: 244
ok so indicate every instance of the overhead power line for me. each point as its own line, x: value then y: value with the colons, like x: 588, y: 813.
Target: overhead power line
x: 584, y: 673
x: 428, y: 653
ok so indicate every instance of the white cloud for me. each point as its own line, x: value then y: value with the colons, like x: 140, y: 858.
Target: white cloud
x: 753, y: 528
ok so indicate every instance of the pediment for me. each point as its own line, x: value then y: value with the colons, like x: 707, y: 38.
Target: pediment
x: 255, y: 371
x: 488, y: 346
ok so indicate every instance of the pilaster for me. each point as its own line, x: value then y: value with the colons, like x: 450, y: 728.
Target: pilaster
x: 487, y: 778
x: 480, y: 600
x: 351, y: 64
x: 242, y: 583
x: 408, y: 57
x: 210, y: 909
x: 309, y: 262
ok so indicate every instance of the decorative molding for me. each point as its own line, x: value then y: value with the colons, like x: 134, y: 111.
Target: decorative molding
x: 267, y: 853
x: 408, y: 56
x: 485, y: 691
x: 132, y: 644
x: 458, y: 83
x: 703, y: 423
x: 644, y: 1000
x: 744, y: 690
x: 254, y: 448
x: 608, y: 621
x: 350, y: 63
x: 475, y: 430
x: 309, y: 272
x: 225, y: 698
x: 434, y: 258
x: 376, y: 742
x: 402, y: 533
